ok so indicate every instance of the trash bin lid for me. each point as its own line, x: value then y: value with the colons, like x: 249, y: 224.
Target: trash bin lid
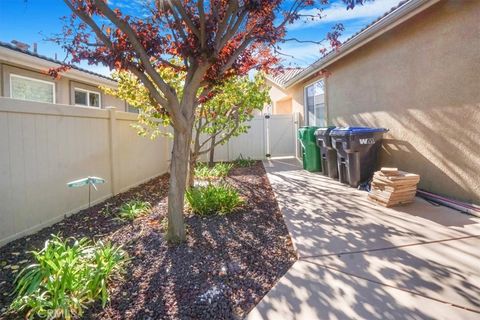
x: 308, y: 128
x: 355, y: 130
x: 307, y: 133
x: 323, y: 131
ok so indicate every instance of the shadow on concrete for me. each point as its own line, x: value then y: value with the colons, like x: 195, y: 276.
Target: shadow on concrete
x: 360, y: 260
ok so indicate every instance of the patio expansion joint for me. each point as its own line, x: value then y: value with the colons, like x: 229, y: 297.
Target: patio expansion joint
x: 385, y: 248
x: 326, y: 266
x: 393, y: 287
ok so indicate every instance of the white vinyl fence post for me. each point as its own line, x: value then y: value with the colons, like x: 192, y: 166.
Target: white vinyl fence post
x: 266, y: 136
x: 113, y: 143
x: 296, y: 126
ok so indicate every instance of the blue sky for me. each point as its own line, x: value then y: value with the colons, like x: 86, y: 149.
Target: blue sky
x: 33, y: 20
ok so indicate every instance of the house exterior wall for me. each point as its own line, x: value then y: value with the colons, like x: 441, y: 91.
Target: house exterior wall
x: 293, y: 94
x: 421, y: 80
x: 283, y: 106
x: 106, y: 100
x: 64, y: 86
x: 1, y: 80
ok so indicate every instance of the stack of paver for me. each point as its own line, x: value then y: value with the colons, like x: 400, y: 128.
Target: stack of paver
x: 392, y: 187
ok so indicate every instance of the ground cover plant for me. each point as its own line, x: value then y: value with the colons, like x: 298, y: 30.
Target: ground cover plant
x: 222, y: 270
x: 219, y: 170
x: 133, y: 209
x: 244, y: 162
x: 213, y: 199
x: 67, y: 275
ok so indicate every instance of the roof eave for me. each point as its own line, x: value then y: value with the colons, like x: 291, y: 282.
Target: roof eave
x: 269, y: 78
x: 280, y: 84
x: 36, y: 63
x: 405, y: 12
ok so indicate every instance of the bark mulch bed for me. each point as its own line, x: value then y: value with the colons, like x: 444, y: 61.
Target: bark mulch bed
x: 222, y: 271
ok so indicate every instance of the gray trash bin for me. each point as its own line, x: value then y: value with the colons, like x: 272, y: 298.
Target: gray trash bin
x: 328, y: 155
x: 357, y: 152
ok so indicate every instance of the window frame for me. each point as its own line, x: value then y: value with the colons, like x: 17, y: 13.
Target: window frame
x: 137, y: 110
x: 52, y: 83
x: 88, y: 98
x: 305, y: 106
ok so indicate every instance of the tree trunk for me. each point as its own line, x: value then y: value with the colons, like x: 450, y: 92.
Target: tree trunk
x: 178, y: 180
x: 211, y: 159
x: 191, y: 171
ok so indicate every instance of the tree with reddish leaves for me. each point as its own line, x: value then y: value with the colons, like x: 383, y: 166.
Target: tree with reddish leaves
x: 214, y: 39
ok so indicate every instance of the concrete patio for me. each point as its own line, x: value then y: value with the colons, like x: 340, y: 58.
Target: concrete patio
x: 358, y: 260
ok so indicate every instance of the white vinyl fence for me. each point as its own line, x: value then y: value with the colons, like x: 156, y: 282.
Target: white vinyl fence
x: 272, y: 135
x: 44, y: 146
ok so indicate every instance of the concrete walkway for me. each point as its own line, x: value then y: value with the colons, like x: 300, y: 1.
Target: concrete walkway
x: 358, y: 260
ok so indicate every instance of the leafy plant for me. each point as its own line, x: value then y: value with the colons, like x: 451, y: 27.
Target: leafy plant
x: 134, y: 208
x: 244, y: 162
x: 67, y: 276
x: 213, y: 199
x: 106, y: 210
x: 219, y: 170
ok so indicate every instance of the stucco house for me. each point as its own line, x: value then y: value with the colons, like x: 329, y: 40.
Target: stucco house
x: 22, y: 76
x: 415, y: 71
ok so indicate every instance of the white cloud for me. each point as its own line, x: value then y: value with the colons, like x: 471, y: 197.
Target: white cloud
x: 300, y: 54
x: 337, y: 12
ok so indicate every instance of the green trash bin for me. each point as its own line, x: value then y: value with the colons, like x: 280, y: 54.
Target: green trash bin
x: 310, y: 151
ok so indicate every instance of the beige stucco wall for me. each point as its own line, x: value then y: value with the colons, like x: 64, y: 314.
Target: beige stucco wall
x: 293, y: 94
x: 422, y: 81
x: 64, y: 86
x: 283, y: 106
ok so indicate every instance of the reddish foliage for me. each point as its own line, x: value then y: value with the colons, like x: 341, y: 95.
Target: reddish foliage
x: 228, y: 37
x: 55, y: 72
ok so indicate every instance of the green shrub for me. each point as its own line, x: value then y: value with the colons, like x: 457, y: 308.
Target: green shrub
x: 67, y: 276
x: 219, y: 170
x: 213, y: 199
x: 244, y: 162
x: 133, y: 209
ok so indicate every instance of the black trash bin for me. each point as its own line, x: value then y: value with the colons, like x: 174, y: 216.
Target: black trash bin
x: 357, y: 152
x: 328, y: 155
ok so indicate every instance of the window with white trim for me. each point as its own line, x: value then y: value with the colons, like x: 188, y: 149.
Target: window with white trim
x: 26, y: 88
x: 87, y: 98
x: 132, y: 109
x: 315, y: 104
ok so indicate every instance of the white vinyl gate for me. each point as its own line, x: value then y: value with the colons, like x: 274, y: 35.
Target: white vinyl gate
x: 268, y: 136
x: 280, y: 135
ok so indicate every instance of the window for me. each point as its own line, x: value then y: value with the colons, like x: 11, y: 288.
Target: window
x: 25, y: 88
x: 132, y: 109
x: 315, y: 104
x: 87, y: 98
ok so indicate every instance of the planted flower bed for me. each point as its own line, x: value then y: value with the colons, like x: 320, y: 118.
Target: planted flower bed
x: 228, y: 263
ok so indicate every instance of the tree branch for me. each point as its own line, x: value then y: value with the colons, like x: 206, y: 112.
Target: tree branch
x: 221, y: 141
x: 185, y: 17
x: 167, y: 90
x: 201, y: 13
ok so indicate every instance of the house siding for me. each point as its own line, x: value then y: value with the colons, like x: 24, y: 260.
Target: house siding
x: 64, y: 86
x: 421, y: 80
